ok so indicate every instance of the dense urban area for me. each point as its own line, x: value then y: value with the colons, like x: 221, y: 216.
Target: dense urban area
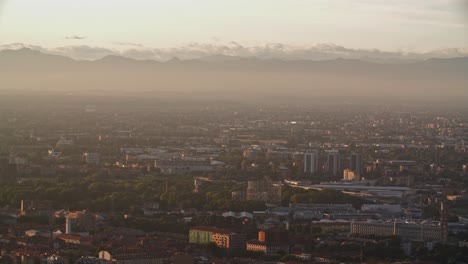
x: 135, y: 181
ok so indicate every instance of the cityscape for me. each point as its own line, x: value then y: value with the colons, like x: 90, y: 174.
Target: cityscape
x: 92, y: 184
x: 233, y: 132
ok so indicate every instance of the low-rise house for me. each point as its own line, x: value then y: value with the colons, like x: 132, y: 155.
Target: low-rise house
x: 75, y: 239
x: 133, y: 256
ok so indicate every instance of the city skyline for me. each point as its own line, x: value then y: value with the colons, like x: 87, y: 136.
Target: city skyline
x: 233, y: 131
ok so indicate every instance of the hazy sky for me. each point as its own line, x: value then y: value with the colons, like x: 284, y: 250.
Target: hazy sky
x: 410, y: 25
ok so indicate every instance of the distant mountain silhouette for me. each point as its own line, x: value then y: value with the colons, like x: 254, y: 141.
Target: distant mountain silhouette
x: 235, y: 77
x: 25, y: 56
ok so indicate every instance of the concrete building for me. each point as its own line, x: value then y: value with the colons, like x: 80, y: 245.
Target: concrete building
x: 223, y: 238
x: 356, y: 164
x: 133, y: 256
x: 333, y: 162
x: 371, y: 228
x: 359, y: 189
x: 418, y: 232
x: 92, y: 158
x: 80, y: 220
x: 349, y: 175
x: 313, y: 211
x: 410, y: 231
x: 311, y: 162
x: 68, y: 227
x: 392, y: 209
x: 270, y: 242
x: 327, y: 225
x: 443, y: 221
x: 266, y: 191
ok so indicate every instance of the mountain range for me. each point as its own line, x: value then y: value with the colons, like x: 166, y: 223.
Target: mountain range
x: 235, y: 77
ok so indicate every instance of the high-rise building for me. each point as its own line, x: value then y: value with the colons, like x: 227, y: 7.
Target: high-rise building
x: 355, y: 163
x: 443, y: 221
x: 333, y: 162
x: 311, y: 162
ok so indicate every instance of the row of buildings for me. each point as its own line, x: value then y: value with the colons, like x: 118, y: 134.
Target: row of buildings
x: 406, y: 230
x: 276, y: 242
x: 269, y: 242
x: 332, y: 164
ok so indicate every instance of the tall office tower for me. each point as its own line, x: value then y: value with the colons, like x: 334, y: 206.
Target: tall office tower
x: 311, y: 161
x: 355, y: 163
x: 443, y: 222
x: 333, y: 162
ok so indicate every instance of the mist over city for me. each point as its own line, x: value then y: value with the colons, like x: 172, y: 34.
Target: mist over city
x: 266, y: 131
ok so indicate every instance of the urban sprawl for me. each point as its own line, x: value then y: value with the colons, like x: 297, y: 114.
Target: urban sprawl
x: 227, y: 183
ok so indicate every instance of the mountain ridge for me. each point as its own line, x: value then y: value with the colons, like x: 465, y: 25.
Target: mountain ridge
x: 232, y: 77
x: 218, y: 58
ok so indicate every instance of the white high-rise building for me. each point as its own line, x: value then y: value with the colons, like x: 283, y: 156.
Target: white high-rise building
x: 311, y: 161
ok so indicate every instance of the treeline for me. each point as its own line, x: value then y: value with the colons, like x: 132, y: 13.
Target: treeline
x: 105, y: 194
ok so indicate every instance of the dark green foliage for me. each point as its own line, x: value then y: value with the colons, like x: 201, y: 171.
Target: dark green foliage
x: 105, y: 194
x: 447, y: 254
x: 42, y: 220
x: 386, y: 250
x: 162, y: 223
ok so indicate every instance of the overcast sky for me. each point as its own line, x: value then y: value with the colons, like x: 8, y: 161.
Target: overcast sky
x: 390, y: 25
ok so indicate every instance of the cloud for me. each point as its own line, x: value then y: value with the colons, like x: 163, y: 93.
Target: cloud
x: 140, y: 54
x: 195, y: 50
x: 82, y: 52
x: 74, y: 37
x: 16, y: 46
x: 128, y: 44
